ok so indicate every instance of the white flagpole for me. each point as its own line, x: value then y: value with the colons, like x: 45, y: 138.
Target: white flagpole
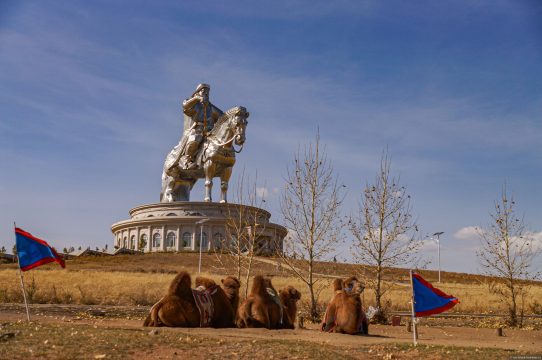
x: 21, y: 277
x: 413, y: 319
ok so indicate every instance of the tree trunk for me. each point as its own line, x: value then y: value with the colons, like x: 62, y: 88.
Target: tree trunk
x: 378, y: 294
x: 513, y: 305
x: 314, y: 309
x: 249, y: 272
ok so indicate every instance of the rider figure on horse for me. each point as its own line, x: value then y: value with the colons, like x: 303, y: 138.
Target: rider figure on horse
x: 200, y: 116
x: 206, y: 149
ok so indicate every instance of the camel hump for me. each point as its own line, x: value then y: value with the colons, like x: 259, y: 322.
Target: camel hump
x: 181, y: 285
x: 259, y: 286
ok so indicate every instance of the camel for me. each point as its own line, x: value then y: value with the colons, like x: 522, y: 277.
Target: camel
x: 289, y: 297
x: 262, y: 308
x: 231, y: 285
x: 178, y: 307
x: 344, y: 314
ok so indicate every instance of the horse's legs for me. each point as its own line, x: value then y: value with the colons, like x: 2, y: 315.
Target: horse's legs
x: 209, y: 169
x: 224, y: 179
x: 223, y: 191
x: 208, y: 188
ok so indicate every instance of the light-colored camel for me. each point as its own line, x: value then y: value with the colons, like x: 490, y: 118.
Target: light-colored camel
x: 344, y: 313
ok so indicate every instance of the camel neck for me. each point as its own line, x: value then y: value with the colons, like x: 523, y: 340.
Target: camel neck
x: 233, y: 297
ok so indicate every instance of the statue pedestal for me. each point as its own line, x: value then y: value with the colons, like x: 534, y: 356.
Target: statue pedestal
x: 179, y: 226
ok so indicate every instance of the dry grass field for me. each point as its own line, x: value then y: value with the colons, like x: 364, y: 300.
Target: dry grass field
x: 64, y: 338
x: 142, y: 279
x: 121, y: 340
x: 73, y: 316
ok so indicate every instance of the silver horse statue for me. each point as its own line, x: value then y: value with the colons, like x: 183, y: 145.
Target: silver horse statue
x: 215, y: 158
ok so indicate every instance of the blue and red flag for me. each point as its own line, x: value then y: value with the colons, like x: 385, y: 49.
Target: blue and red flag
x: 33, y: 252
x: 429, y: 300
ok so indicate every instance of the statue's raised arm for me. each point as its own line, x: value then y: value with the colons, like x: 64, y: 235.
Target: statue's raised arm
x: 200, y: 116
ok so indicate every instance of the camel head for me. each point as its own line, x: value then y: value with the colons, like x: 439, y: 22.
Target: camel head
x: 232, y: 283
x: 290, y: 293
x: 353, y: 286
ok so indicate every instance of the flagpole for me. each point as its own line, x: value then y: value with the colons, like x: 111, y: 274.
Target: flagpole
x: 21, y: 277
x: 413, y: 319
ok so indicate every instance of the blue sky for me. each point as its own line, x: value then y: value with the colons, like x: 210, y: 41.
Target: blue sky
x: 90, y: 97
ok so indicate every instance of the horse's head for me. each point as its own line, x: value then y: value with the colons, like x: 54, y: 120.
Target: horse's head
x: 239, y: 123
x: 231, y: 126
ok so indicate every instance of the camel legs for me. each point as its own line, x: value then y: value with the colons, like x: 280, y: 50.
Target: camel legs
x: 153, y: 319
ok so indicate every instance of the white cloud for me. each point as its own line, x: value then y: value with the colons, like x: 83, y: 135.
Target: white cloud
x: 262, y: 192
x: 428, y: 245
x: 467, y: 233
x: 536, y: 238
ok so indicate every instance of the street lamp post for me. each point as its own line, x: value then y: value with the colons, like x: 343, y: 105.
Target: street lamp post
x: 437, y: 234
x: 201, y: 222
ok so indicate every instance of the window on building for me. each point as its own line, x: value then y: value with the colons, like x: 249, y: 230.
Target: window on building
x: 187, y: 239
x: 218, y: 238
x: 233, y: 242
x: 204, y: 241
x: 170, y: 239
x: 132, y: 242
x: 156, y: 240
x: 142, y: 241
x: 171, y: 214
x: 125, y: 242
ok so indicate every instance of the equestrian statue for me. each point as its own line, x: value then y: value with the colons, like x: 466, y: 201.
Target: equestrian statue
x: 206, y: 149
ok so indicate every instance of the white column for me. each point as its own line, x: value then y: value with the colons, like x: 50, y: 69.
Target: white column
x: 194, y: 237
x: 210, y: 238
x: 149, y: 240
x: 178, y: 244
x: 163, y: 242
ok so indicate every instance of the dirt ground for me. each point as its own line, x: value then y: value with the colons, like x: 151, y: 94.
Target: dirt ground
x: 59, y: 331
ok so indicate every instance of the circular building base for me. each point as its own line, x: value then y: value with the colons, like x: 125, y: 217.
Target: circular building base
x: 182, y: 225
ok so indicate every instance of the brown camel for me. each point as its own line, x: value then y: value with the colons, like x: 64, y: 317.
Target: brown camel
x: 262, y: 308
x: 231, y: 285
x: 289, y: 297
x: 178, y: 308
x: 344, y: 314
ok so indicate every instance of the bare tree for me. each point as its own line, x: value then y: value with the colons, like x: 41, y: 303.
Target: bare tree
x: 310, y: 206
x: 507, y: 251
x: 245, y: 223
x: 385, y: 232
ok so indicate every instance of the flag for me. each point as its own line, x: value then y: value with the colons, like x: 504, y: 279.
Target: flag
x: 33, y: 252
x: 429, y: 300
